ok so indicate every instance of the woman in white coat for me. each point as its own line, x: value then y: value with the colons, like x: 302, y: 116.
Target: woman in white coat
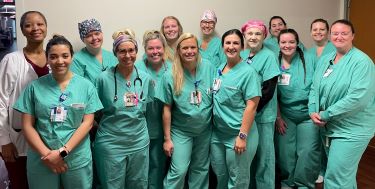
x: 17, y: 70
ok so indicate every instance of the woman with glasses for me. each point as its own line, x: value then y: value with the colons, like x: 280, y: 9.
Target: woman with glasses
x: 91, y: 60
x: 210, y: 44
x: 121, y: 146
x: 156, y: 66
x: 187, y: 112
x: 342, y: 104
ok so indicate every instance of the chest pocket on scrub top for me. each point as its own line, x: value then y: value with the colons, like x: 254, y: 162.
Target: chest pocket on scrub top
x: 230, y: 96
x: 76, y: 111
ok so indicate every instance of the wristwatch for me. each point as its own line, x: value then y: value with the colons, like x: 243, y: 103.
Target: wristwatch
x: 63, y: 152
x: 242, y: 135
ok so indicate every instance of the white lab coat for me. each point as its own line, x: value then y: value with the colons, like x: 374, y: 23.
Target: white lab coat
x: 15, y: 74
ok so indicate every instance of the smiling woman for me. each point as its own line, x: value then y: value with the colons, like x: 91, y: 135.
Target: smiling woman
x: 121, y: 146
x: 236, y: 90
x: 91, y: 60
x: 17, y: 70
x: 57, y: 114
x: 342, y: 102
x: 172, y: 29
x: 210, y: 44
x: 264, y: 61
x: 187, y: 105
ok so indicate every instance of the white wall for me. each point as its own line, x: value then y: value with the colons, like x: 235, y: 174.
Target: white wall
x: 141, y: 15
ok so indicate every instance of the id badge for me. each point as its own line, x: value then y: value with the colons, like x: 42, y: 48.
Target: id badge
x: 284, y: 79
x: 216, y: 85
x: 130, y: 99
x: 328, y: 72
x: 58, y: 114
x: 195, y: 97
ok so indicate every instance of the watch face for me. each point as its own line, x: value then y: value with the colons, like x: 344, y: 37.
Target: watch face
x: 63, y: 154
x: 242, y: 136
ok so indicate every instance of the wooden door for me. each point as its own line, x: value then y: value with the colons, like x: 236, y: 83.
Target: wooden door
x: 362, y: 14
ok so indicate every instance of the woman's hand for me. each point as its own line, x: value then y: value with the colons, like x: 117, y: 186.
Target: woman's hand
x: 240, y: 145
x: 281, y: 126
x: 315, y: 117
x: 168, y: 147
x: 9, y: 152
x: 55, y: 162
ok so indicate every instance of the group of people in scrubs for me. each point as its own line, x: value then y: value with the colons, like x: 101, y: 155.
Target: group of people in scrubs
x: 237, y: 106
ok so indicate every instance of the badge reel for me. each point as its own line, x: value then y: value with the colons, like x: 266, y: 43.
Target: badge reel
x: 284, y: 79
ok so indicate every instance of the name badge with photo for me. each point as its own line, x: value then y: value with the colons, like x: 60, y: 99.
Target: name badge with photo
x: 130, y: 99
x: 284, y: 79
x: 58, y: 114
x: 195, y: 97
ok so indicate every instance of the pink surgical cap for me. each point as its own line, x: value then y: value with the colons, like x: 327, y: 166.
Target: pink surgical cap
x: 255, y: 24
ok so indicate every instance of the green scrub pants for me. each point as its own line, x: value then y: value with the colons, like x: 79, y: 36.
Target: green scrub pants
x: 231, y: 169
x: 72, y: 179
x: 298, y: 153
x: 123, y: 171
x: 323, y: 162
x: 157, y: 165
x: 344, y: 155
x: 190, y: 153
x: 262, y: 171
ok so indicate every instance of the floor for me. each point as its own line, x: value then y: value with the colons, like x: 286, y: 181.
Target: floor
x: 366, y: 171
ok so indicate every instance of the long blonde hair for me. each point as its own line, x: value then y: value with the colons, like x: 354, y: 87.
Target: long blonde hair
x: 177, y: 68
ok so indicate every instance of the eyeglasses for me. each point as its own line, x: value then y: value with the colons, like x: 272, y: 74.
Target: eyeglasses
x: 208, y: 23
x: 344, y: 34
x: 130, y: 51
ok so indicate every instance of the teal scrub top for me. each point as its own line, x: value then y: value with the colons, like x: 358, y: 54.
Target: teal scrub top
x: 189, y: 119
x: 154, y: 109
x: 265, y: 63
x: 86, y: 65
x: 123, y: 129
x: 345, y: 98
x: 293, y: 97
x: 272, y: 44
x: 238, y: 85
x: 214, y: 52
x: 326, y: 50
x: 43, y: 94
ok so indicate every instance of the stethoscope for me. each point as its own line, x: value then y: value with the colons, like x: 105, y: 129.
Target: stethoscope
x: 115, y: 98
